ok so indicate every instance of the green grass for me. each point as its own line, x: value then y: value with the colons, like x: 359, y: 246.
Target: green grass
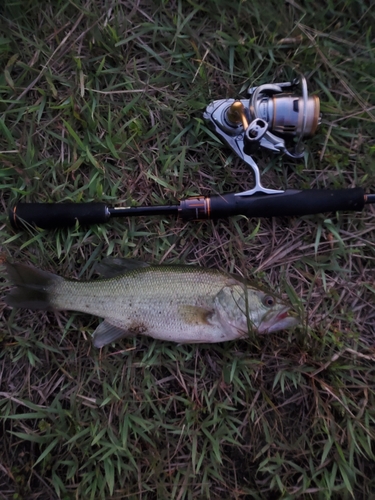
x: 103, y: 100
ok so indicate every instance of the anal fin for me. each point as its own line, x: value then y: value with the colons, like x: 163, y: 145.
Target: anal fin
x: 106, y: 333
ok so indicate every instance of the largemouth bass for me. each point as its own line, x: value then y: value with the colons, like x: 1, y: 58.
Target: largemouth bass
x: 177, y: 303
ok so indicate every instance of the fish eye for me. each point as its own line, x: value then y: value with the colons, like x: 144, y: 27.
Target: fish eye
x: 269, y: 301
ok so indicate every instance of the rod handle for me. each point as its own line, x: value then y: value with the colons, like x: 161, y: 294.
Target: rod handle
x: 54, y: 215
x: 288, y: 203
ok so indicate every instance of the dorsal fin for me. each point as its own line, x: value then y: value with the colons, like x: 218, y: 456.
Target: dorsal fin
x: 115, y: 266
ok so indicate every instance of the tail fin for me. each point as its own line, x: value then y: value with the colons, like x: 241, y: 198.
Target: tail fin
x: 32, y: 286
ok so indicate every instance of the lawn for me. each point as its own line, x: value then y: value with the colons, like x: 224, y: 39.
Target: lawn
x: 103, y: 100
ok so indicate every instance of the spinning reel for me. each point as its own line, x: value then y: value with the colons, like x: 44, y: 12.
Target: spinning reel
x: 273, y: 118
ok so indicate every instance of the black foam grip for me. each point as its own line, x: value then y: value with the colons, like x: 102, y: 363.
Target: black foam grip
x: 288, y: 203
x: 53, y: 215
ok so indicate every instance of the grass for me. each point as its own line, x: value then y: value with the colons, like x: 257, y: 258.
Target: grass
x: 102, y: 100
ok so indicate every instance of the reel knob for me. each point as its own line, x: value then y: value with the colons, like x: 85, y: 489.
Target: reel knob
x: 253, y: 135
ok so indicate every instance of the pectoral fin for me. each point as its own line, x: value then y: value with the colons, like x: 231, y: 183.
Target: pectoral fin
x: 195, y: 315
x: 107, y: 333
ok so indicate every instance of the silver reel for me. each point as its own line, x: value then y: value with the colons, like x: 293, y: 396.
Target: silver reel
x: 272, y: 118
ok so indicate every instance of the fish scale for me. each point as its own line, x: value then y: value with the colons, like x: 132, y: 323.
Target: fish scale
x: 157, y: 300
x: 150, y: 288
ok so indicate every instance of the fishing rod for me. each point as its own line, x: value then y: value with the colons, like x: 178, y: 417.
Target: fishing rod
x: 292, y: 202
x: 273, y: 118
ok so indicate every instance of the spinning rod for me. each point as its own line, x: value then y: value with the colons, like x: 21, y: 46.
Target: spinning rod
x: 273, y: 118
x: 291, y: 202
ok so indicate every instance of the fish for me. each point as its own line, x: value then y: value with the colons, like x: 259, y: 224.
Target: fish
x: 178, y: 303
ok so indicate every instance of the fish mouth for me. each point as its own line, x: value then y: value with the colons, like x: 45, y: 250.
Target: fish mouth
x: 282, y: 315
x: 284, y: 319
